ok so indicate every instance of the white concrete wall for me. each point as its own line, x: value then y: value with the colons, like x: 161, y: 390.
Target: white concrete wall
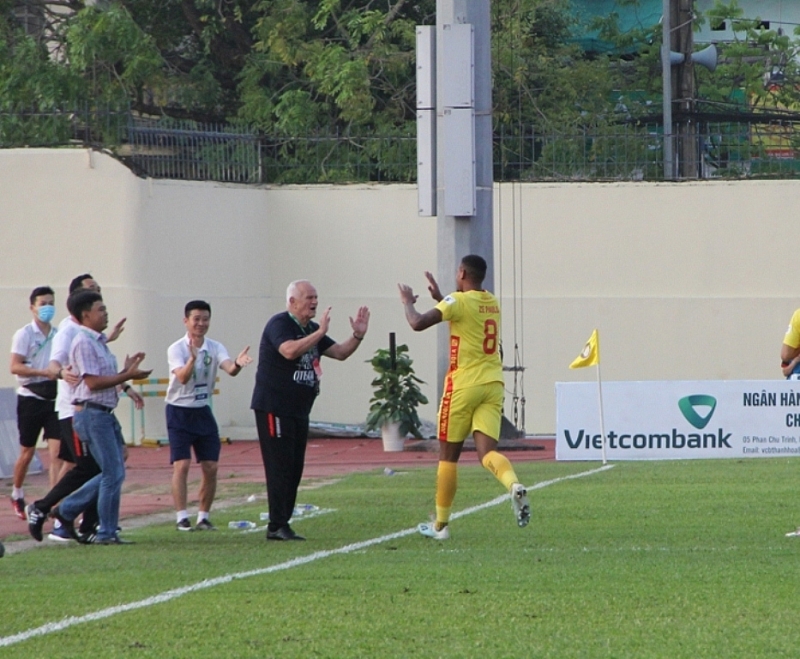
x: 684, y: 281
x: 154, y: 245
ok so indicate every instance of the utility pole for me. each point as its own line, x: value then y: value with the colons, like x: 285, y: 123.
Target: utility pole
x: 683, y: 88
x: 464, y: 166
x: 666, y: 88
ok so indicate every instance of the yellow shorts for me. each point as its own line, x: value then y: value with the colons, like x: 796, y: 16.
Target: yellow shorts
x: 465, y: 410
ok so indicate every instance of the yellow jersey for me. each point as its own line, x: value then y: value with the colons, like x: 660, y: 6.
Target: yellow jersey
x: 792, y: 338
x: 474, y: 318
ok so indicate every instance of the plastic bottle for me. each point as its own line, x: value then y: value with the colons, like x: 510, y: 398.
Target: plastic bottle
x: 242, y: 524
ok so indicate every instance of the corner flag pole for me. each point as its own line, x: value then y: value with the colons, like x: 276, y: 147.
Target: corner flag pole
x: 602, y: 420
x: 590, y: 356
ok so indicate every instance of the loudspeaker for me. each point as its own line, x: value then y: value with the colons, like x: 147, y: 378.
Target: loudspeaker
x: 706, y: 58
x: 675, y: 58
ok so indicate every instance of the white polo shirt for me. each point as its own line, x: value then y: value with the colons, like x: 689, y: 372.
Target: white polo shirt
x: 30, y: 343
x: 67, y: 330
x: 198, y: 390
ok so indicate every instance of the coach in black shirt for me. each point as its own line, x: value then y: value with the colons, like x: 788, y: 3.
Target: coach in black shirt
x: 287, y: 382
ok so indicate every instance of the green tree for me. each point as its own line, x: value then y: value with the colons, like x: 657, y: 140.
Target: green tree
x: 540, y: 75
x: 332, y: 64
x: 290, y: 66
x: 758, y: 70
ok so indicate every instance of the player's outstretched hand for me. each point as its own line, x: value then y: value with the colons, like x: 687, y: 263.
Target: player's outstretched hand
x: 433, y: 287
x: 243, y: 359
x: 132, y: 361
x: 139, y: 374
x: 118, y: 329
x: 407, y: 294
x: 325, y: 320
x: 361, y: 323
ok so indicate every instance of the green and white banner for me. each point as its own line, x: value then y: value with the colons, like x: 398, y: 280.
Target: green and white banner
x: 674, y: 420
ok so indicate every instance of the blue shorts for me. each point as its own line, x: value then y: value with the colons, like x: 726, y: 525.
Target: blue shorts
x: 192, y: 427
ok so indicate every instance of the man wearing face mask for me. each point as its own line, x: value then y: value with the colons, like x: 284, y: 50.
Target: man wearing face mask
x: 73, y: 451
x: 36, y: 413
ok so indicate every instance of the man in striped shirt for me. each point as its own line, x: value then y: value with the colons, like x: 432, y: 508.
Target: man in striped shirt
x: 83, y: 467
x: 94, y: 399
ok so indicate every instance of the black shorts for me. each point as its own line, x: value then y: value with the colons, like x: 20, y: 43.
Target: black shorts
x: 192, y: 428
x: 34, y: 416
x: 70, y: 444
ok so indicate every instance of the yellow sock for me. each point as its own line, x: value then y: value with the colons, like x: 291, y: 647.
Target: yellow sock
x: 499, y: 465
x: 446, y: 485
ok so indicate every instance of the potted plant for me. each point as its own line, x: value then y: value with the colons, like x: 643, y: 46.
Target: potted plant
x: 393, y: 406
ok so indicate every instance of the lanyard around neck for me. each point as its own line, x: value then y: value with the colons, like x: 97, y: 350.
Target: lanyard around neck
x: 41, y: 346
x: 206, y: 366
x: 305, y: 330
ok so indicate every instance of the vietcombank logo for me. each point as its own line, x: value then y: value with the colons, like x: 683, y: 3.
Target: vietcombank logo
x: 697, y: 409
x: 688, y: 407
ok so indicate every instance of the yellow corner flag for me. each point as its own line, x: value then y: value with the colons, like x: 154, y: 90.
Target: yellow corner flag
x: 590, y: 355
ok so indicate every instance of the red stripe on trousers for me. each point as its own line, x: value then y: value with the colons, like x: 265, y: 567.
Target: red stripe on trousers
x: 76, y: 443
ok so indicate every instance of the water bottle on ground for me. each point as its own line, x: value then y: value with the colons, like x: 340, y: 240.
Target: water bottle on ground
x: 242, y: 525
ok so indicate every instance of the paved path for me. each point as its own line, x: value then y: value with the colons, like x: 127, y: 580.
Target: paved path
x: 147, y: 484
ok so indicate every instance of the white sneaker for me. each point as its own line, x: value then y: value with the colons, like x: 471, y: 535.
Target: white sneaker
x: 59, y: 535
x: 794, y: 534
x: 519, y: 500
x: 428, y: 529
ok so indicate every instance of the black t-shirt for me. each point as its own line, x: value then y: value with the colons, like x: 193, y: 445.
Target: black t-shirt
x: 287, y: 387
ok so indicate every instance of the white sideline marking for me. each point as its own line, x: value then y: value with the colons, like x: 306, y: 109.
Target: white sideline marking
x: 168, y: 595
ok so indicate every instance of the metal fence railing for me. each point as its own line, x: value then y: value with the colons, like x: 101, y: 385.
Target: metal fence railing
x: 166, y: 148
x: 62, y: 127
x: 187, y: 150
x: 634, y: 152
x: 340, y: 158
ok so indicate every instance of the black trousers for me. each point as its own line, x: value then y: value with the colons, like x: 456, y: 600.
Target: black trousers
x: 283, y: 443
x: 84, y: 470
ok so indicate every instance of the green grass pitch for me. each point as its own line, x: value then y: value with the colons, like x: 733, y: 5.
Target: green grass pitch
x: 648, y: 559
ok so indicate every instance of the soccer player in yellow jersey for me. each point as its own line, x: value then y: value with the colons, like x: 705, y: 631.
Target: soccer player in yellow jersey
x: 790, y: 350
x: 472, y: 401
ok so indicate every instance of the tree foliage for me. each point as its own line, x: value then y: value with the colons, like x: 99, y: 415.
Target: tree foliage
x: 315, y: 68
x: 288, y: 66
x: 540, y: 76
x: 760, y: 68
x: 332, y: 63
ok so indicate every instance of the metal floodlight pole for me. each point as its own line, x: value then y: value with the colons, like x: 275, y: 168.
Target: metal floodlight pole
x: 465, y: 176
x: 666, y: 81
x: 455, y: 177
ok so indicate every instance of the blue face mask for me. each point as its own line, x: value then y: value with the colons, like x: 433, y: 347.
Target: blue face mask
x: 46, y: 313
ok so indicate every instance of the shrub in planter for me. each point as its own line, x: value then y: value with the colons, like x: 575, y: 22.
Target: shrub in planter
x: 396, y: 392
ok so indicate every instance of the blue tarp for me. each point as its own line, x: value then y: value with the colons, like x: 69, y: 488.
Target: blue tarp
x: 646, y: 15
